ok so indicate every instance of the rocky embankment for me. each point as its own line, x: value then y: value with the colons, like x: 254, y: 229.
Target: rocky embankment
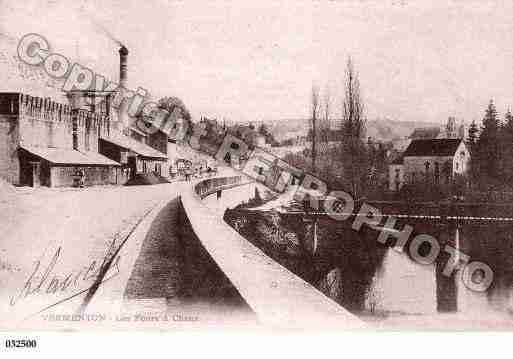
x: 335, y: 259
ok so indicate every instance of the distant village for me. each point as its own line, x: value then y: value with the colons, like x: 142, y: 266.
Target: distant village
x: 437, y: 154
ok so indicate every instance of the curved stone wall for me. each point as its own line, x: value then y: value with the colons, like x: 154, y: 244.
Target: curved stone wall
x: 278, y: 297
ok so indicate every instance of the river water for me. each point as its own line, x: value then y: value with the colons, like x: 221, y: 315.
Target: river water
x: 404, y: 294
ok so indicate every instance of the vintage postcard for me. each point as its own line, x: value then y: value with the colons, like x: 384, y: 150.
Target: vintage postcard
x: 323, y: 165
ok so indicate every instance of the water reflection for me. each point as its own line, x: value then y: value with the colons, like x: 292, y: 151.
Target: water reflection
x: 400, y: 292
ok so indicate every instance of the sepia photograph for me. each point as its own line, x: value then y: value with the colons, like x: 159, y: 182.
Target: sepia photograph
x: 272, y: 167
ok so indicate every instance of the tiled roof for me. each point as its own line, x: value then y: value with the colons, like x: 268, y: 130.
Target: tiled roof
x: 135, y: 146
x: 62, y: 156
x: 433, y: 147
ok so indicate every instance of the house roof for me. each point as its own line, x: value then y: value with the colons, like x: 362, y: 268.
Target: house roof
x: 140, y: 148
x: 61, y: 156
x: 136, y: 130
x: 425, y: 133
x: 433, y: 147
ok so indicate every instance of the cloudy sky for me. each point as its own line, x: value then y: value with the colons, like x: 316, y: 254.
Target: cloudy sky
x: 416, y: 61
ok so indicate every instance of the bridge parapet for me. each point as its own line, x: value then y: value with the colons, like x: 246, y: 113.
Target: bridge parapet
x: 278, y: 297
x: 211, y: 185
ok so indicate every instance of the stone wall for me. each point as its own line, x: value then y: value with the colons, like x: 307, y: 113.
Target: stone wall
x: 415, y: 167
x: 44, y: 123
x: 88, y: 125
x: 62, y: 176
x: 40, y: 122
x: 9, y: 139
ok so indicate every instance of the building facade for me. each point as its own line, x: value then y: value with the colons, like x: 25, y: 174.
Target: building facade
x: 43, y: 142
x: 51, y: 138
x: 433, y: 161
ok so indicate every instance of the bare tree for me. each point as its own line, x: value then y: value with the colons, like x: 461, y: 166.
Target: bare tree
x: 324, y: 130
x: 352, y: 111
x: 313, y: 126
x: 327, y: 103
x: 327, y: 113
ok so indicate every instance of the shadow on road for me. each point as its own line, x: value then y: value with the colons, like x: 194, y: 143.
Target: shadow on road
x: 173, y: 267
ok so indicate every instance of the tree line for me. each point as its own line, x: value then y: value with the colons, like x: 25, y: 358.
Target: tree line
x: 491, y: 148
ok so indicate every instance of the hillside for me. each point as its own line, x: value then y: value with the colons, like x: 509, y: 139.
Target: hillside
x: 382, y: 129
x: 387, y: 129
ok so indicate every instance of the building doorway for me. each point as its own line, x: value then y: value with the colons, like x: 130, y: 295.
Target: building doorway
x: 132, y: 164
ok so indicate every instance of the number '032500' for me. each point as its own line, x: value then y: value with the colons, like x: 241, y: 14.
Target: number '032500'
x: 20, y: 343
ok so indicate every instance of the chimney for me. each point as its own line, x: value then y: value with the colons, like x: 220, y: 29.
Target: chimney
x: 123, y: 55
x: 123, y: 121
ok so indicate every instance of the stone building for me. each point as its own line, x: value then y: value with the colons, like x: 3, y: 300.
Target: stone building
x: 136, y: 157
x: 435, y: 161
x: 137, y: 151
x: 43, y: 142
x: 118, y: 140
x: 47, y: 139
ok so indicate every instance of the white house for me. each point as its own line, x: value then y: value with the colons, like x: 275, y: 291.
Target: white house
x: 431, y: 160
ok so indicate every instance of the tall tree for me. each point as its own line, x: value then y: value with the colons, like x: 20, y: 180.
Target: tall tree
x: 473, y: 134
x: 353, y: 124
x: 487, y: 145
x: 506, y: 148
x: 353, y: 131
x: 324, y: 129
x: 490, y: 126
x: 313, y: 125
x: 508, y: 121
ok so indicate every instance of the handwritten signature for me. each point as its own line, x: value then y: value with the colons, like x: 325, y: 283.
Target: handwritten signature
x: 44, y: 280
